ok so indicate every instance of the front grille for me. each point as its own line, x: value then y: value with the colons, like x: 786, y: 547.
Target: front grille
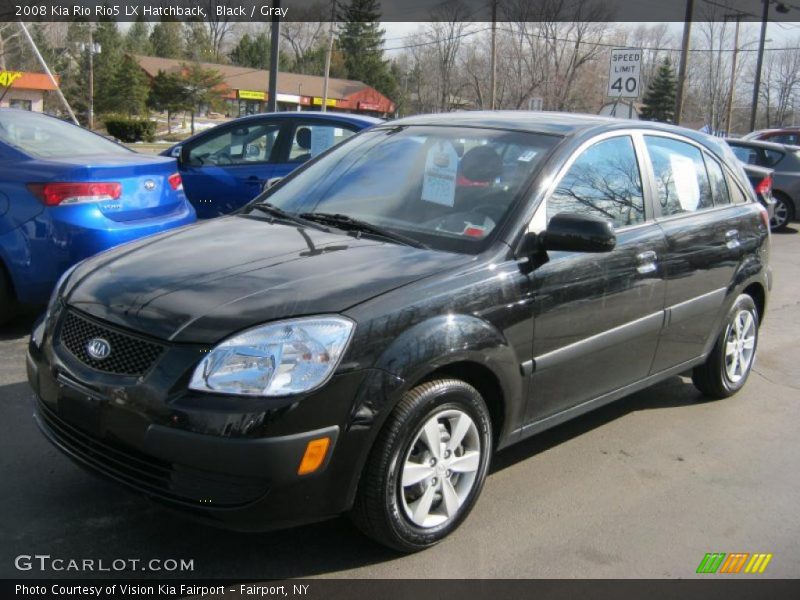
x: 154, y: 477
x: 130, y: 355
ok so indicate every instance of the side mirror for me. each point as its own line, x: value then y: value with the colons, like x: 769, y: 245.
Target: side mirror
x: 573, y: 232
x: 270, y: 182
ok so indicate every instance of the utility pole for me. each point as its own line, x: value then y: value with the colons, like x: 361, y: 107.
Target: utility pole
x: 47, y: 70
x: 687, y: 34
x: 91, y: 78
x: 759, y: 64
x: 729, y: 117
x: 274, y: 58
x: 328, y: 54
x: 493, y: 76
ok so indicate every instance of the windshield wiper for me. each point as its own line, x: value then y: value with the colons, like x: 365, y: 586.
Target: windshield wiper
x: 357, y: 225
x: 279, y: 213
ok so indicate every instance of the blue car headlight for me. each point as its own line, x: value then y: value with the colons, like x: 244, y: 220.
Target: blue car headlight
x: 279, y: 359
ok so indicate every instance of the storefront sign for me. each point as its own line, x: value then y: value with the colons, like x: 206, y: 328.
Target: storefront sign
x: 252, y: 95
x: 330, y: 102
x: 9, y: 77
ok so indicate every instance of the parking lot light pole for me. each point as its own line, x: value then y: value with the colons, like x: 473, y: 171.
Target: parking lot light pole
x: 274, y: 57
x: 781, y: 8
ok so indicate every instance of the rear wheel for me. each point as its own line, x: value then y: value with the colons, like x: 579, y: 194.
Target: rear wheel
x: 427, y: 467
x: 8, y: 303
x: 783, y: 214
x: 726, y: 370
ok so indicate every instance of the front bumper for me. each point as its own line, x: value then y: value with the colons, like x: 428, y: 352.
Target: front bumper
x: 230, y: 463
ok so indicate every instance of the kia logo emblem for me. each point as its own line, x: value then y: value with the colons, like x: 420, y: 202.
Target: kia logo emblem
x: 98, y: 348
x: 149, y: 185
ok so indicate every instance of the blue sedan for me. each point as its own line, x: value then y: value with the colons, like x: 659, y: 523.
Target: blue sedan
x: 225, y: 167
x: 66, y: 194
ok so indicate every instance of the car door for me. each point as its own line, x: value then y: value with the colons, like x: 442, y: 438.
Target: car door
x: 597, y: 316
x: 304, y: 139
x: 704, y: 244
x: 225, y: 169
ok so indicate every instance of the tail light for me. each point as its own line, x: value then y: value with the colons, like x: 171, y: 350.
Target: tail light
x: 55, y: 194
x: 764, y: 186
x: 175, y: 181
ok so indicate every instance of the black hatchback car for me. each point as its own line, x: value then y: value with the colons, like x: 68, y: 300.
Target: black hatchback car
x: 366, y: 333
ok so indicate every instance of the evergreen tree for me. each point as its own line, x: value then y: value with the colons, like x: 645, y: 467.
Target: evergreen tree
x: 130, y: 87
x: 106, y: 65
x: 137, y: 40
x: 167, y: 94
x: 166, y: 39
x: 361, y: 44
x: 252, y: 52
x: 659, y: 100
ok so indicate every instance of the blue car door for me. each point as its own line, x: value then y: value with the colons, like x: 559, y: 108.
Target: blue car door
x: 225, y: 169
x: 305, y: 139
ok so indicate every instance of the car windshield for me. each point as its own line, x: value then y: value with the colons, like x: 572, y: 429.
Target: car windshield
x: 447, y: 188
x: 45, y: 137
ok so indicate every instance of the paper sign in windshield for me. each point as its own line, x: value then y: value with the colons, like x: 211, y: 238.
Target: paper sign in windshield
x: 684, y: 175
x: 439, y: 181
x: 321, y: 140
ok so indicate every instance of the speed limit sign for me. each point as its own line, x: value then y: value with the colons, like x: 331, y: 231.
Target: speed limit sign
x: 623, y: 73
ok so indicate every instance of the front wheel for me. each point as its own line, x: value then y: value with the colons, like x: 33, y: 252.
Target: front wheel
x: 726, y: 370
x: 427, y: 467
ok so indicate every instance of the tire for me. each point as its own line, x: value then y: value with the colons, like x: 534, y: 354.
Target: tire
x: 394, y: 514
x: 724, y: 374
x: 8, y: 303
x: 783, y: 213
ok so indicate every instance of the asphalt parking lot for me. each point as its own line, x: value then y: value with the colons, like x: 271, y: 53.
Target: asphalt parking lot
x: 642, y: 488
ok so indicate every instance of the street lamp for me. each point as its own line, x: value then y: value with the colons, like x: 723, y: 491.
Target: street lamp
x: 92, y: 48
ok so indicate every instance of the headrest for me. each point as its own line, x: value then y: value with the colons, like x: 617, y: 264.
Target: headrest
x: 304, y: 138
x: 481, y: 164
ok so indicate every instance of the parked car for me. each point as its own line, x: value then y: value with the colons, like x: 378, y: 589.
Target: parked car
x: 224, y: 168
x: 344, y: 345
x: 761, y: 180
x: 788, y: 135
x: 66, y: 194
x: 784, y: 160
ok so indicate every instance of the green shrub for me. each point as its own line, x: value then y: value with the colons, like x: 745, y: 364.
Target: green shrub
x: 131, y: 130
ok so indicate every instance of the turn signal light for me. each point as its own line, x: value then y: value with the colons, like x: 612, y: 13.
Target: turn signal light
x: 54, y: 194
x: 316, y: 450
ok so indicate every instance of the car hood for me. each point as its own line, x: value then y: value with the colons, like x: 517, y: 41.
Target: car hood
x: 204, y: 282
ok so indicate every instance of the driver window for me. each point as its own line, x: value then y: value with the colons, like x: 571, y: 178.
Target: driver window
x: 235, y: 146
x: 604, y: 181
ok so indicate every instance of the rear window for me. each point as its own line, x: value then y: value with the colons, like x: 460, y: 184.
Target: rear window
x: 40, y: 136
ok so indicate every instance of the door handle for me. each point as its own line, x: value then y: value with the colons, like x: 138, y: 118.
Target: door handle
x: 732, y: 239
x: 647, y: 262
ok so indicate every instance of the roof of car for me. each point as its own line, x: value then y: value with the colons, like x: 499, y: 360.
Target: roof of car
x: 314, y: 115
x: 761, y: 144
x: 554, y: 123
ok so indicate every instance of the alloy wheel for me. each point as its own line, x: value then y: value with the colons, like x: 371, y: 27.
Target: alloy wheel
x: 740, y: 346
x: 780, y: 214
x: 440, y: 468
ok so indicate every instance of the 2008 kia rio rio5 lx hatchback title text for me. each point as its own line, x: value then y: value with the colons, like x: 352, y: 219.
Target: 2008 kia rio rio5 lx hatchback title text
x: 364, y: 334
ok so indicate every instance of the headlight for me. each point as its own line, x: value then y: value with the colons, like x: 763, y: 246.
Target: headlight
x: 57, y: 290
x: 287, y: 357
